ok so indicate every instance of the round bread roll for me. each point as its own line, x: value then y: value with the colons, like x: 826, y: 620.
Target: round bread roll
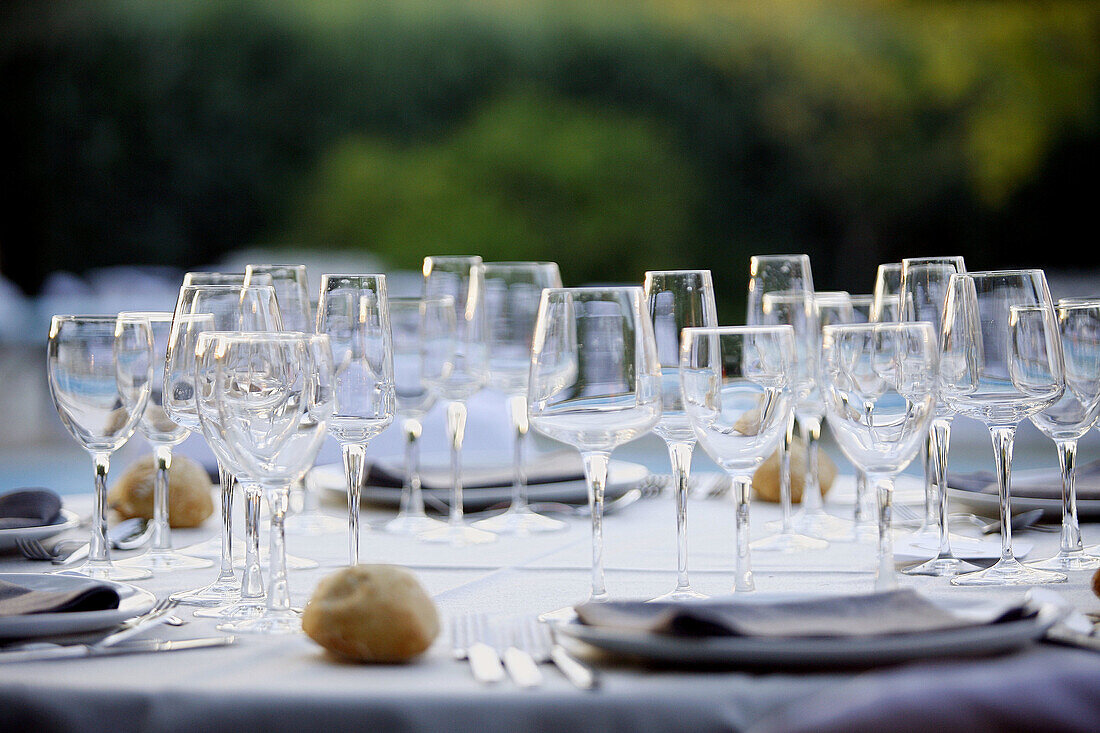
x: 1096, y: 583
x: 189, y: 502
x: 765, y: 482
x: 372, y: 613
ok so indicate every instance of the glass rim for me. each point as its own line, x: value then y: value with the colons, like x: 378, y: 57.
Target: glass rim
x: 735, y: 330
x: 287, y: 336
x: 274, y: 267
x: 328, y: 275
x: 831, y: 295
x: 678, y: 272
x: 517, y: 263
x: 987, y: 274
x: 929, y: 260
x: 595, y: 289
x: 793, y: 255
x: 868, y: 298
x: 226, y: 286
x: 880, y: 326
x: 91, y: 318
x: 410, y: 299
x: 151, y: 316
x: 1080, y: 303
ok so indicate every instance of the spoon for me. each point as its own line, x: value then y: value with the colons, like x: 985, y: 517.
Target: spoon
x: 128, y: 534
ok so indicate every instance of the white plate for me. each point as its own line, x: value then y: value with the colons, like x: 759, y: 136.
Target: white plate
x: 990, y: 505
x: 132, y: 601
x: 621, y: 477
x: 810, y: 652
x: 9, y: 536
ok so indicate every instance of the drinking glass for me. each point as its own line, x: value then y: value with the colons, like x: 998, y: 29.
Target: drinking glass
x: 423, y: 345
x: 781, y: 292
x: 678, y: 299
x: 879, y: 388
x: 272, y: 393
x: 353, y: 311
x: 923, y: 293
x: 863, y: 517
x: 100, y: 370
x: 595, y: 384
x: 462, y: 377
x: 506, y: 300
x: 887, y: 293
x: 1070, y: 418
x: 201, y: 309
x: 1001, y: 362
x: 834, y: 306
x: 736, y: 385
x: 163, y: 433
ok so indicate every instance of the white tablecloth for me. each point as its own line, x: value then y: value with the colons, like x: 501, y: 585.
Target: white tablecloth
x: 288, y: 683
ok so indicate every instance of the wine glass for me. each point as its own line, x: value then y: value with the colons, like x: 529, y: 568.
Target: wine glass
x: 865, y: 523
x: 506, y: 300
x: 291, y: 283
x: 201, y: 309
x: 595, y: 384
x: 781, y: 292
x: 354, y: 312
x: 272, y: 393
x: 163, y: 433
x: 923, y: 293
x: 879, y: 388
x: 463, y: 377
x: 678, y: 299
x: 1070, y: 418
x: 1001, y: 362
x: 736, y: 385
x: 423, y: 345
x: 100, y: 370
x: 834, y: 306
x: 887, y: 293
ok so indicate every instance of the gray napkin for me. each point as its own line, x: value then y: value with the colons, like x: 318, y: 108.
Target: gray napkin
x: 32, y: 507
x: 17, y: 600
x: 545, y: 469
x: 895, y: 612
x: 1033, y: 484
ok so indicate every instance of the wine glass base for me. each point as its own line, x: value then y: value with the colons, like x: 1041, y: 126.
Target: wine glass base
x: 293, y: 562
x: 520, y: 521
x: 1077, y: 560
x: 271, y: 622
x: 458, y: 535
x: 940, y: 567
x: 679, y: 595
x: 107, y: 571
x: 313, y: 524
x: 219, y: 593
x: 789, y: 541
x: 164, y: 561
x: 412, y: 524
x: 210, y: 548
x: 235, y: 611
x: 1009, y: 572
x: 819, y: 524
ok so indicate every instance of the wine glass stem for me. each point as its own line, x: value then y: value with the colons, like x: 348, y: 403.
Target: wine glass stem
x: 785, y: 474
x: 928, y: 455
x: 456, y: 429
x: 162, y: 537
x: 861, y: 492
x: 939, y: 444
x: 1002, y: 454
x: 811, y: 488
x: 355, y: 457
x: 252, y: 582
x: 885, y: 578
x: 517, y: 409
x: 225, y: 479
x: 98, y: 550
x: 412, y: 498
x: 595, y: 472
x: 278, y: 595
x: 743, y: 564
x: 679, y: 455
x: 1071, y: 530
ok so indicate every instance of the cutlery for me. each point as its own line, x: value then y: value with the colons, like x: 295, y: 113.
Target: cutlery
x: 518, y: 659
x: 1020, y: 522
x: 1069, y: 626
x: 126, y: 535
x: 544, y: 647
x: 46, y: 651
x: 467, y: 634
x: 153, y: 617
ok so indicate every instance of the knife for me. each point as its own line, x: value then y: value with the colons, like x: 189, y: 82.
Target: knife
x: 78, y: 651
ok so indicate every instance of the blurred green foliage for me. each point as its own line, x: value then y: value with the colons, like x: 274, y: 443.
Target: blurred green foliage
x: 609, y: 136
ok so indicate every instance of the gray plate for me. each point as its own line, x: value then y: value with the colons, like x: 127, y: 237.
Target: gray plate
x: 132, y: 602
x: 989, y: 505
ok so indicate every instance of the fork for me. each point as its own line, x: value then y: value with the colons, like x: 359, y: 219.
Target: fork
x: 540, y: 643
x: 35, y: 550
x: 467, y: 642
x: 158, y: 614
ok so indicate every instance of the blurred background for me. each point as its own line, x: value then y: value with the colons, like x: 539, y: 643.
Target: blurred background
x: 142, y: 138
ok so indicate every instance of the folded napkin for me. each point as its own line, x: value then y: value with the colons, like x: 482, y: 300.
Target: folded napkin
x: 544, y: 469
x: 895, y: 612
x: 32, y: 507
x: 1033, y: 484
x: 17, y: 600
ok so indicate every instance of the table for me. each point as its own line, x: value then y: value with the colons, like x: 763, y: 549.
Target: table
x: 288, y: 683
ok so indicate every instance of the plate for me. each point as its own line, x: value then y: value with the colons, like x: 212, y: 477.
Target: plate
x: 810, y: 652
x: 621, y: 477
x: 132, y: 601
x: 9, y: 536
x: 990, y: 505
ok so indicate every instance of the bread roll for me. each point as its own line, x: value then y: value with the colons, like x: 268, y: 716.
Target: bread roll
x: 765, y: 482
x: 372, y: 613
x: 189, y: 502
